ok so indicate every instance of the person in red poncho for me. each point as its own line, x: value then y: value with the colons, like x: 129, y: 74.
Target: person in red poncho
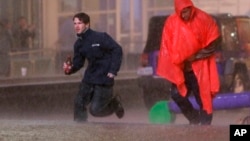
x: 187, y: 60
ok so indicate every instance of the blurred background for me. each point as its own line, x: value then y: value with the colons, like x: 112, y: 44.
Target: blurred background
x: 36, y: 36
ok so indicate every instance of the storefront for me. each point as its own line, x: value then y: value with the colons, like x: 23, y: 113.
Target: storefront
x: 125, y: 20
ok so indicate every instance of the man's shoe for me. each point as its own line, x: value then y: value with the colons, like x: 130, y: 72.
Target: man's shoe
x: 194, y: 118
x: 119, y: 108
x: 80, y: 116
x: 80, y: 120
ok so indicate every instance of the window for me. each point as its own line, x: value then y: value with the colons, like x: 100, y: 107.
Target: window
x: 22, y: 46
x: 11, y: 10
x: 160, y: 3
x: 68, y: 5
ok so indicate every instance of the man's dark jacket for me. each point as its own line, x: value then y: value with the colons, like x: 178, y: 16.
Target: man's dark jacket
x: 104, y: 56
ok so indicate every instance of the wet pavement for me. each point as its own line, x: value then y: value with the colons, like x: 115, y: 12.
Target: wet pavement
x: 44, y: 112
x: 135, y: 126
x: 36, y: 130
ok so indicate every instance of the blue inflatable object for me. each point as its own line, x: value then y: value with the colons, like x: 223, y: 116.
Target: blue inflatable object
x: 153, y: 58
x: 220, y: 102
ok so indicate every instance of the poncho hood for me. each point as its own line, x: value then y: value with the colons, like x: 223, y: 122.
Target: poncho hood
x: 181, y: 4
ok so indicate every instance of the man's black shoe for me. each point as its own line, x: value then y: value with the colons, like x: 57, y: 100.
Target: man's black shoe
x: 78, y: 120
x: 194, y: 118
x: 80, y: 116
x: 119, y: 109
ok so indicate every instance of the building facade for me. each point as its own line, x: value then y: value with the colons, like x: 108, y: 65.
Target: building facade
x: 125, y: 20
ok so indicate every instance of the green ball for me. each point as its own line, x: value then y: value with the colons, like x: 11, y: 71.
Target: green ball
x: 160, y: 113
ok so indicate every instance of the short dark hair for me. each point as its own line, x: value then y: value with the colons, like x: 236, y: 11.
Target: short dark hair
x: 82, y: 17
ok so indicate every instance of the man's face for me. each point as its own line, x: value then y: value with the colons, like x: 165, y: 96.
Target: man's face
x: 186, y: 13
x: 79, y: 26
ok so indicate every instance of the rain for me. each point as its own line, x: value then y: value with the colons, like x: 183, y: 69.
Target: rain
x: 37, y: 98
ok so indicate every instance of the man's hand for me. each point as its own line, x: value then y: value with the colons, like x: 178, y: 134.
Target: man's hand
x: 67, y: 68
x: 110, y: 75
x: 67, y: 65
x: 206, y: 52
x: 209, y: 50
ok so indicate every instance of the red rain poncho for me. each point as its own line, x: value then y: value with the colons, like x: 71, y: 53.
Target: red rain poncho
x: 182, y: 39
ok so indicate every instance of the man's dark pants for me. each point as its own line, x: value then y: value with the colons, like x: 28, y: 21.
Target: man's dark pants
x: 194, y: 116
x: 100, y: 98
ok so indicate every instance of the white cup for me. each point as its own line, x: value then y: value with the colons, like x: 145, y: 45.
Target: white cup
x: 23, y: 71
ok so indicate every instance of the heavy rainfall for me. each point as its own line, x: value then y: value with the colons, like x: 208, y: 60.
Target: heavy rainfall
x: 37, y: 98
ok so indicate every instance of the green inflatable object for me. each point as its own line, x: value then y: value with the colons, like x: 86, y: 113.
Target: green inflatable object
x: 160, y: 113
